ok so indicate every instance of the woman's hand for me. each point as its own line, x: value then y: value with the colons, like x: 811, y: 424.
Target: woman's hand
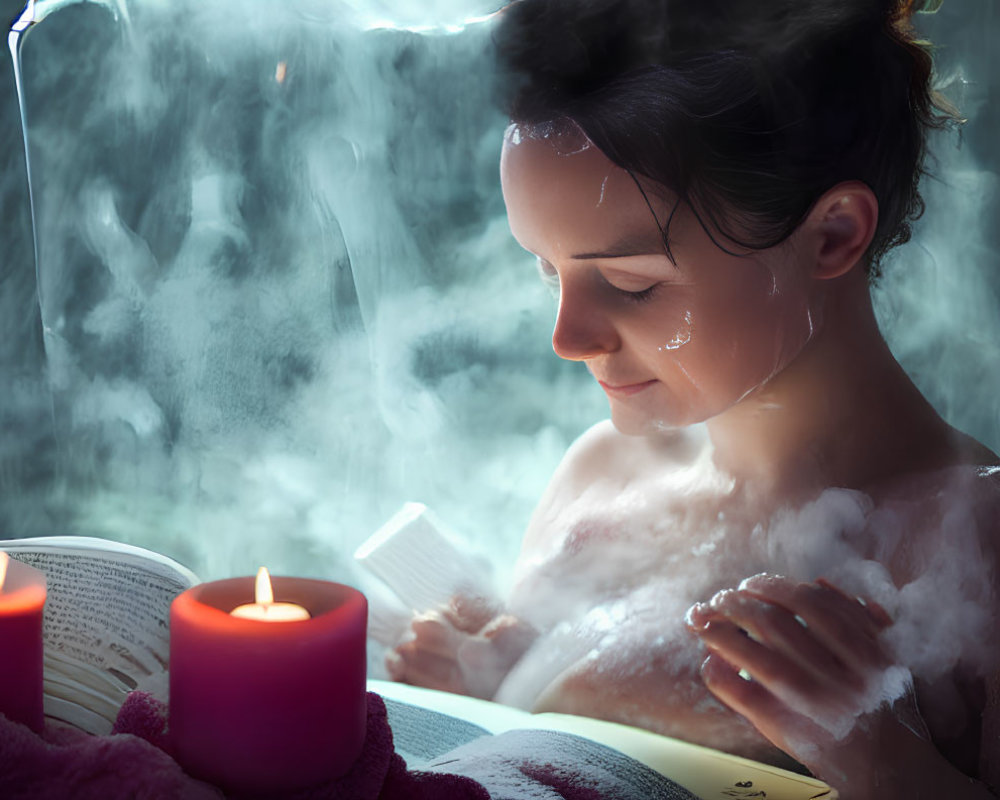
x: 467, y: 647
x: 803, y: 662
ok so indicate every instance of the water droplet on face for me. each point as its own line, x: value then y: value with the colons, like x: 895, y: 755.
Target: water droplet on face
x: 681, y: 337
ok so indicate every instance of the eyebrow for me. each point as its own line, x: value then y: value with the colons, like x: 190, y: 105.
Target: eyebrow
x: 631, y: 244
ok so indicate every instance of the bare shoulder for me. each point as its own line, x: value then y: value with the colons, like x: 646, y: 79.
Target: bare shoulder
x: 604, y: 455
x: 978, y: 490
x: 988, y: 496
x: 604, y: 461
x: 986, y: 501
x: 957, y: 475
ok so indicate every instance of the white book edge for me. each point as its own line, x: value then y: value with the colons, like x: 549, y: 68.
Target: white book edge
x: 415, y: 555
x: 117, y: 551
x: 80, y: 717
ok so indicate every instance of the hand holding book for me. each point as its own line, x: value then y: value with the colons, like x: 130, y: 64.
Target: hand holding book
x: 467, y: 647
x: 459, y: 637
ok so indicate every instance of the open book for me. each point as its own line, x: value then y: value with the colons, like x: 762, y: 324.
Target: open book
x: 106, y: 632
x: 106, y: 623
x: 708, y: 774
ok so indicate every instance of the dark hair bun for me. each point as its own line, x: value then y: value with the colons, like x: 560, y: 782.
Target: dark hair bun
x: 752, y: 106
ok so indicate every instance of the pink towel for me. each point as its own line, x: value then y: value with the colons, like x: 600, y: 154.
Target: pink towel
x: 381, y: 774
x: 66, y: 763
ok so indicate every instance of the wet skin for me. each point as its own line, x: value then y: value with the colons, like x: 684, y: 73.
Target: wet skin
x: 779, y: 353
x: 672, y: 342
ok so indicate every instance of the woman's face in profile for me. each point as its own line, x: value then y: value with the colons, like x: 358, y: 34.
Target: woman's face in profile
x: 671, y: 343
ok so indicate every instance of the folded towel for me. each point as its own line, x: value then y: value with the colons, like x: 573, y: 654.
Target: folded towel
x: 135, y: 762
x: 381, y: 774
x: 67, y: 763
x: 378, y: 774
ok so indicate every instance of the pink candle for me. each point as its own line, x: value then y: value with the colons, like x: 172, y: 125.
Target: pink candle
x: 22, y: 598
x: 266, y: 703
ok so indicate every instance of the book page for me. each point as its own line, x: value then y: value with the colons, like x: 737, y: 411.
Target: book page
x: 423, y: 563
x: 139, y: 557
x: 106, y: 619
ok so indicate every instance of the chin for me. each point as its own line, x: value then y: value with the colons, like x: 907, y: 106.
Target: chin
x: 635, y: 424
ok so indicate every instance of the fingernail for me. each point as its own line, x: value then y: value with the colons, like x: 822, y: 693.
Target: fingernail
x: 697, y: 616
x: 762, y: 580
x: 746, y: 583
x: 720, y: 597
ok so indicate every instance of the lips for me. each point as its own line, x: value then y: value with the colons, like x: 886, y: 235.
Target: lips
x: 625, y: 389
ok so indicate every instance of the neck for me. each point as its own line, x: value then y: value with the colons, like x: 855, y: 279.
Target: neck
x: 843, y: 413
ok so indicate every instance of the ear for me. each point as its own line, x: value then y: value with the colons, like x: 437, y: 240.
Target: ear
x: 842, y: 223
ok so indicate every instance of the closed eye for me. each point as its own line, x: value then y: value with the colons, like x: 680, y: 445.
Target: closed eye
x: 632, y: 287
x: 638, y: 295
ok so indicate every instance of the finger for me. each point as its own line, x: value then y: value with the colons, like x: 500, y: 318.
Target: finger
x: 781, y: 626
x: 878, y: 614
x: 777, y: 628
x: 432, y: 635
x: 746, y: 697
x: 408, y: 664
x: 838, y: 622
x: 821, y: 595
x: 468, y: 613
x: 508, y: 631
x: 782, y: 676
x: 752, y: 700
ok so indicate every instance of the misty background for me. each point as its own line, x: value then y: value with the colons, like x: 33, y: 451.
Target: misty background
x: 275, y: 295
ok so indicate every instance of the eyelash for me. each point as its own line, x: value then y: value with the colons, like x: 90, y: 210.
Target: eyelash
x: 550, y: 278
x: 638, y: 297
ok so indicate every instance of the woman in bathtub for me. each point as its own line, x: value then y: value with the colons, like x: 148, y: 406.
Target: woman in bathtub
x: 775, y: 547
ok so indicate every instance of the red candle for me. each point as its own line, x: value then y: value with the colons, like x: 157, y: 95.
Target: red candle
x: 268, y: 703
x: 22, y: 598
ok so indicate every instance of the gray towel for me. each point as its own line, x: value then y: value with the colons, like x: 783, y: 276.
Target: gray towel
x: 524, y: 764
x: 420, y: 735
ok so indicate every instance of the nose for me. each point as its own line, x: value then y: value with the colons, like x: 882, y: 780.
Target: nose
x: 583, y: 329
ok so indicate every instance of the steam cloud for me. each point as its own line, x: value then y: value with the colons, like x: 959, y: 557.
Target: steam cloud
x: 276, y: 297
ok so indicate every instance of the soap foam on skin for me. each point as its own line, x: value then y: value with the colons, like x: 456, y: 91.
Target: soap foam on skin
x: 611, y: 588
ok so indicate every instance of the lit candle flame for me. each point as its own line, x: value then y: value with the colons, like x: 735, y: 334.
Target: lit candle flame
x: 263, y: 593
x: 264, y: 608
x: 4, y: 561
